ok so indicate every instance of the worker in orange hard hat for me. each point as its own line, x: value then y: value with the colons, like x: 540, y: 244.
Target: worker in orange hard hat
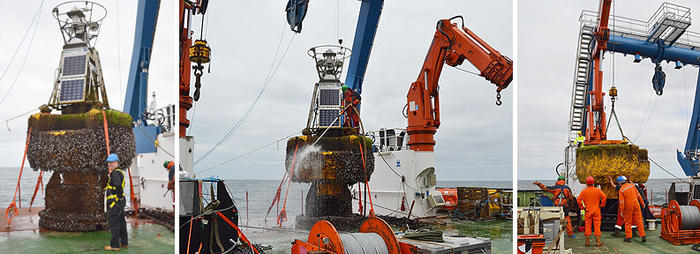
x: 591, y: 200
x: 630, y: 202
x: 562, y: 194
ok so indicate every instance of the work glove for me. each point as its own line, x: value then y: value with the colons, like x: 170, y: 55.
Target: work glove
x: 536, y: 183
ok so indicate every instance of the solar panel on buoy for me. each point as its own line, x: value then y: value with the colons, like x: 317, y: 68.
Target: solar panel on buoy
x: 74, y: 65
x: 72, y: 90
x: 329, y: 97
x: 327, y: 117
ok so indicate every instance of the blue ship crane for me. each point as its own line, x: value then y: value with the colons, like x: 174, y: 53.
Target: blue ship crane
x: 137, y: 84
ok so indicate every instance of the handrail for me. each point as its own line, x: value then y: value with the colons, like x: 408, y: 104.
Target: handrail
x: 642, y: 29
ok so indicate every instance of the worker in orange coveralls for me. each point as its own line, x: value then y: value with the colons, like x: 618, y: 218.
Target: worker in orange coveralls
x: 352, y: 100
x: 562, y: 194
x: 591, y: 200
x: 620, y: 223
x: 630, y: 201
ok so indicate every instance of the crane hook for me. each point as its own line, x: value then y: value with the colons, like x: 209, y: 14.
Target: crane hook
x: 498, y: 99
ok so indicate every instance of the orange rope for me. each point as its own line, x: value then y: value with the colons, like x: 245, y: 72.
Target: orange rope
x: 12, y: 208
x: 359, y: 190
x: 189, y: 238
x: 134, y: 203
x: 283, y: 213
x: 104, y: 120
x: 38, y: 182
x: 240, y: 233
x: 371, y: 206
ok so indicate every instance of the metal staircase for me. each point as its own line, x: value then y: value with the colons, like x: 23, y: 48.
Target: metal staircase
x: 579, y: 91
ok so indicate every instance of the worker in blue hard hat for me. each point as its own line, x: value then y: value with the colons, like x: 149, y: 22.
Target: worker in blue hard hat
x: 631, y: 204
x: 620, y: 223
x: 115, y: 205
x: 561, y: 196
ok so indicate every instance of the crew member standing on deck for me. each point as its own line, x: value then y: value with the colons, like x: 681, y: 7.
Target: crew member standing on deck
x: 591, y: 200
x: 115, y: 205
x: 620, y: 223
x: 562, y: 194
x: 630, y: 202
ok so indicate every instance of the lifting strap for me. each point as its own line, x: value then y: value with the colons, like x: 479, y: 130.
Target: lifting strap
x: 39, y: 181
x: 189, y: 237
x: 276, y: 199
x: 106, y: 127
x: 134, y: 202
x: 12, y: 208
x: 364, y: 165
x: 282, y: 217
x: 240, y: 233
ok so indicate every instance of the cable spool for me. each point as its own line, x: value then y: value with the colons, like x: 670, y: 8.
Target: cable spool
x: 681, y: 224
x: 375, y: 236
x: 688, y: 216
x: 364, y: 243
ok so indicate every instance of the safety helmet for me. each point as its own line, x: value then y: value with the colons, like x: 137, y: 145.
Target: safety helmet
x: 344, y: 87
x: 590, y: 181
x: 561, y: 178
x: 621, y: 179
x: 112, y: 157
x: 579, y: 132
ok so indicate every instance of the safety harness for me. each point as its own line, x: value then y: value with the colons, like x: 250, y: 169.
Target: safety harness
x: 112, y: 197
x: 561, y: 195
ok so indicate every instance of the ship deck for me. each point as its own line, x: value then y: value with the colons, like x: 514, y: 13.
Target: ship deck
x: 499, y: 231
x: 145, y: 236
x: 654, y: 244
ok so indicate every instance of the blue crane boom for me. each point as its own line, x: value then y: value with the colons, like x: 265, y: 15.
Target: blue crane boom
x: 659, y: 51
x: 137, y: 84
x: 366, y: 29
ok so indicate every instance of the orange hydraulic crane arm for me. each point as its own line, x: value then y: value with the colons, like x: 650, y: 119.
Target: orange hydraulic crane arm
x: 596, y: 127
x: 451, y: 45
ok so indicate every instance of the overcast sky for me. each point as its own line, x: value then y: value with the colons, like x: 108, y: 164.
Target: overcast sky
x: 547, y: 41
x: 474, y: 141
x: 33, y: 86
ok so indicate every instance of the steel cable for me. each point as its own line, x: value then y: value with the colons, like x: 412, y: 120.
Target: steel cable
x: 363, y: 243
x: 248, y: 112
x: 26, y: 54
